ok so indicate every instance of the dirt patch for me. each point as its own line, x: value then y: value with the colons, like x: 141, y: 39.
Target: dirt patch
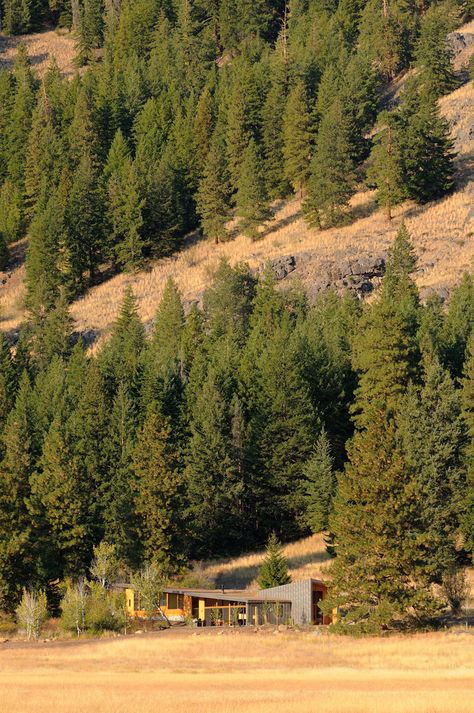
x: 42, y: 47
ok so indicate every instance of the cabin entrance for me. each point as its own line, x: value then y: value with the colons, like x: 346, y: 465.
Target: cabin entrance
x: 317, y: 615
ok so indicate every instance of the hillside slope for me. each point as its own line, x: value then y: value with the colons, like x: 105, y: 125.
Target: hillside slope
x: 442, y: 232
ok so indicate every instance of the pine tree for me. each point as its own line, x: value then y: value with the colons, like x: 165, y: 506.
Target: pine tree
x: 427, y: 148
x: 158, y: 491
x: 386, y: 352
x: 45, y: 154
x: 458, y: 325
x: 213, y: 489
x: 88, y: 425
x: 168, y: 329
x: 384, y: 37
x: 320, y: 485
x: 274, y: 568
x: 272, y: 130
x: 283, y: 420
x: 85, y: 224
x: 19, y: 449
x: 120, y: 518
x: 50, y: 333
x: 434, y: 57
x: 6, y: 99
x: 16, y: 17
x: 4, y: 254
x: 380, y: 573
x: 386, y: 170
x: 433, y: 438
x: 20, y: 117
x: 43, y: 275
x: 82, y: 132
x: 90, y: 28
x: 467, y: 521
x: 8, y: 382
x: 251, y: 198
x: 297, y: 138
x: 203, y: 128
x: 213, y: 202
x: 228, y: 302
x: 243, y: 118
x: 332, y: 179
x: 11, y: 214
x: 121, y: 358
x: 59, y: 503
x: 126, y: 209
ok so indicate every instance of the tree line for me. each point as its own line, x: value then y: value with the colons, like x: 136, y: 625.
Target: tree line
x: 255, y: 413
x: 190, y: 113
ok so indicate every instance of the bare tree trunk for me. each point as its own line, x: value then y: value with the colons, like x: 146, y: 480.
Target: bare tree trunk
x: 76, y: 14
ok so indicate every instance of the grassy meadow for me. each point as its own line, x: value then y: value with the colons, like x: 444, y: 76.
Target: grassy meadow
x: 182, y: 671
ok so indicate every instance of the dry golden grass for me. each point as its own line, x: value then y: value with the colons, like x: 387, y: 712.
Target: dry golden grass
x: 306, y: 558
x: 240, y: 671
x: 442, y: 233
x: 41, y: 46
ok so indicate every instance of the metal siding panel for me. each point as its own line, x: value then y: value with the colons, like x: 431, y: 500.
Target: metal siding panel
x: 299, y: 593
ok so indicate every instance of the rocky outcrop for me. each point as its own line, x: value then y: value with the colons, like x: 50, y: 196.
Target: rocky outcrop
x: 362, y: 275
x: 282, y: 266
x: 458, y: 41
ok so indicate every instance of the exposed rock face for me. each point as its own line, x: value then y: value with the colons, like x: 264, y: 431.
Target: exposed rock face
x: 459, y: 41
x: 282, y: 266
x: 362, y: 275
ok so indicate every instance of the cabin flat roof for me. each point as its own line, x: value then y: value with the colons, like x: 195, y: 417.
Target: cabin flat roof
x: 230, y: 595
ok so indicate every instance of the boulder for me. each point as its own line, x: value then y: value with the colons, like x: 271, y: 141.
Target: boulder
x: 282, y: 266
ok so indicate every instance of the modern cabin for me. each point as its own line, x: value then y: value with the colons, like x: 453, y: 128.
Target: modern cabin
x: 297, y: 603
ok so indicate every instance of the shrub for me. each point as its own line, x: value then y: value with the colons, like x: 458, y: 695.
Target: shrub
x: 73, y: 607
x: 32, y: 612
x: 105, y: 565
x: 87, y: 606
x: 105, y: 611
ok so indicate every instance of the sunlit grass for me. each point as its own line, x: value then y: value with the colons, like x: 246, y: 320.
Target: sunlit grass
x: 243, y: 671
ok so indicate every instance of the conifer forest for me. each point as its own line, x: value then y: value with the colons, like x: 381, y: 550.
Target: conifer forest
x: 255, y: 412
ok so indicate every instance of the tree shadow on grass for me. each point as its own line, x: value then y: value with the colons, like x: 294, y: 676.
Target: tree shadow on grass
x: 241, y: 577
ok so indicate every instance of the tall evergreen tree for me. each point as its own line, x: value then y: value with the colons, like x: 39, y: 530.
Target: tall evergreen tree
x: 121, y: 525
x: 380, y: 573
x: 85, y: 224
x: 434, y: 56
x: 213, y: 199
x: 433, y: 438
x: 121, y: 358
x: 467, y: 522
x: 320, y: 485
x: 60, y: 504
x: 19, y: 452
x: 251, y: 200
x: 297, y: 138
x: 20, y: 117
x: 386, y: 352
x: 158, y: 491
x: 331, y: 183
x: 274, y: 569
x: 213, y: 488
x: 386, y: 169
x: 427, y: 148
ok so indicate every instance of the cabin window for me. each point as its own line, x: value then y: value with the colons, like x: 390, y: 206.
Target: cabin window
x: 175, y: 601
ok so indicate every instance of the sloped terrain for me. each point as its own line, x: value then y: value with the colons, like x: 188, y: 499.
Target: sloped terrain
x: 443, y: 234
x: 42, y: 47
